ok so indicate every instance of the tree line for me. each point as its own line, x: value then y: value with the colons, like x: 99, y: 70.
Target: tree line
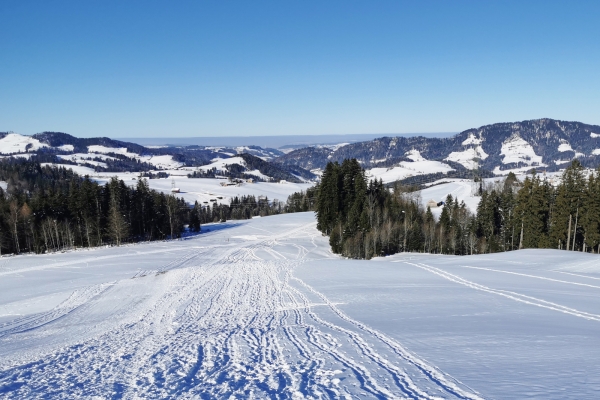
x: 364, y: 219
x: 540, y: 214
x: 48, y: 208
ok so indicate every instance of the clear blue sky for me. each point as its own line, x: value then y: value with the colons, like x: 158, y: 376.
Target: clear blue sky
x: 238, y: 68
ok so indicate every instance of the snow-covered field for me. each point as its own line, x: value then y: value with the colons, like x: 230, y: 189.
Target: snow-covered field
x: 197, y: 189
x: 262, y: 309
x: 205, y: 190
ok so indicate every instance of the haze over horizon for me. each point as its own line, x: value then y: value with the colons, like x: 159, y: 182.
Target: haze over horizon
x: 195, y: 69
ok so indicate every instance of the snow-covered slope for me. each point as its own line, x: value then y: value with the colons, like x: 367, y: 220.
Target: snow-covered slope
x: 159, y: 161
x: 461, y: 189
x: 406, y: 169
x: 15, y: 143
x: 262, y: 309
x: 517, y: 150
x: 500, y: 148
x: 206, y: 190
x: 220, y: 164
x: 468, y: 157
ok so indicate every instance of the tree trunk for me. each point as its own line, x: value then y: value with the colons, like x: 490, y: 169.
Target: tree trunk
x: 521, y: 240
x: 575, y: 230
x: 569, y: 233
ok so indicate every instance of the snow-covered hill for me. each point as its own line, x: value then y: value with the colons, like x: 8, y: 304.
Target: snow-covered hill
x: 108, y: 155
x: 520, y: 146
x: 262, y: 309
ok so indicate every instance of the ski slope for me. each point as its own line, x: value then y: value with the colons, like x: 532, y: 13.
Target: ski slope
x: 262, y: 309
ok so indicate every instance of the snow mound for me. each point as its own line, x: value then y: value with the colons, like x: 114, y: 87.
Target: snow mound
x: 594, y: 135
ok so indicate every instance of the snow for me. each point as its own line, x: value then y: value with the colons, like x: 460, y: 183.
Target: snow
x: 206, y: 189
x: 116, y: 150
x: 221, y: 163
x: 79, y: 169
x: 66, y: 147
x: 520, y: 170
x: 595, y: 152
x: 258, y: 174
x: 262, y: 309
x: 467, y: 157
x: 22, y: 155
x: 86, y: 158
x: 162, y: 162
x: 332, y: 147
x: 406, y: 169
x: 414, y: 155
x: 461, y: 189
x: 564, y: 146
x: 594, y: 135
x: 15, y: 143
x: 516, y: 150
x: 472, y: 140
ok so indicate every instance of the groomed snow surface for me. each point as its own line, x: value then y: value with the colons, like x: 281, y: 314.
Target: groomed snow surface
x: 262, y: 309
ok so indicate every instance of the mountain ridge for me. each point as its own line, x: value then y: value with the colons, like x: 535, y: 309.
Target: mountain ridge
x: 543, y: 143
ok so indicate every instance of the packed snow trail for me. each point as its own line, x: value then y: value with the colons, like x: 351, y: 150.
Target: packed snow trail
x: 231, y: 321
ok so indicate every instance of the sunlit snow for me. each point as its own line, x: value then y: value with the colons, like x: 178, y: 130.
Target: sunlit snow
x: 468, y: 157
x: 262, y: 309
x: 516, y: 150
x: 15, y: 143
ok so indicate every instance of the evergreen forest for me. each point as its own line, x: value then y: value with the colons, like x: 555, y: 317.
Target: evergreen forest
x: 48, y: 208
x: 365, y: 219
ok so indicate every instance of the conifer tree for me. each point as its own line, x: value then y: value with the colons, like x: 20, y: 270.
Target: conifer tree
x: 567, y: 202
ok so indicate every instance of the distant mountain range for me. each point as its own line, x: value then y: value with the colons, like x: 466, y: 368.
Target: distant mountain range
x: 108, y: 155
x: 493, y: 149
x: 513, y: 146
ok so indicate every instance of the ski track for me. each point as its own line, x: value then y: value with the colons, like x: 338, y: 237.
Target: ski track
x: 530, y: 300
x: 219, y: 323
